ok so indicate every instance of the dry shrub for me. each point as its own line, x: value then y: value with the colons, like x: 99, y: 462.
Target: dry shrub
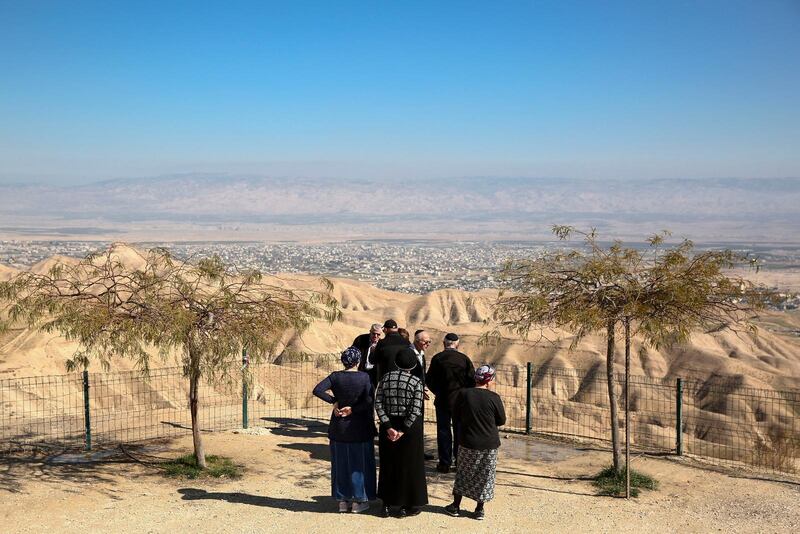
x: 780, y: 450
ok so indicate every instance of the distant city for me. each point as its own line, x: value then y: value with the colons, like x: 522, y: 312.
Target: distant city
x: 405, y: 266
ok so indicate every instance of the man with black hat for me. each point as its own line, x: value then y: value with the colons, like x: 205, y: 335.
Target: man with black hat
x: 449, y: 372
x: 388, y: 348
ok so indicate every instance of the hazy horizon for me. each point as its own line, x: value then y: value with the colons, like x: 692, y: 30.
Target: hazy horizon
x: 22, y: 181
x: 223, y: 207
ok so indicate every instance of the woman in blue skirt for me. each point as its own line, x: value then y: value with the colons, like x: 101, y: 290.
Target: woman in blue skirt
x: 351, y: 432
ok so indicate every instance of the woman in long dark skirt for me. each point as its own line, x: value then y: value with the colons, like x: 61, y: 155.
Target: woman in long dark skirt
x: 479, y: 411
x: 351, y: 432
x: 398, y: 403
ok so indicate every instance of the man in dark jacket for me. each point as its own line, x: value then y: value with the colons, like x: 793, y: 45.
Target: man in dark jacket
x: 368, y: 344
x: 450, y: 371
x: 388, y: 348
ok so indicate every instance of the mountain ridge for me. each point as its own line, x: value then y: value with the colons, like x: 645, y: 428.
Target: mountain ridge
x: 185, y: 194
x: 217, y: 207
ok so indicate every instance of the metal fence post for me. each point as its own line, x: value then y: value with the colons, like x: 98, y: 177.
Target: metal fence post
x: 245, y: 362
x: 87, y: 436
x: 679, y: 417
x: 529, y: 381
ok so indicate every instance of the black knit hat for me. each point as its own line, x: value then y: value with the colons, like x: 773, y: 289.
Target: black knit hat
x: 390, y: 323
x: 451, y: 337
x: 406, y: 359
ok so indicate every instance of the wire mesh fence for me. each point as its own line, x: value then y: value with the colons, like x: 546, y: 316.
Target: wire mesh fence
x: 575, y: 403
x: 718, y: 420
x: 42, y: 408
x: 739, y: 425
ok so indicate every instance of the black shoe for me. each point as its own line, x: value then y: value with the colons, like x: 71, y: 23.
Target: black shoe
x: 429, y: 456
x: 384, y: 511
x: 402, y: 513
x: 410, y: 511
x: 443, y: 468
x: 452, y: 510
x: 479, y: 514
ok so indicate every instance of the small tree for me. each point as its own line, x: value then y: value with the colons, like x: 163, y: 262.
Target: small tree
x: 122, y: 302
x: 662, y: 294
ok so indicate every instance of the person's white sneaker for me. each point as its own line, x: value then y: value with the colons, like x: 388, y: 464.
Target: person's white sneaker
x: 344, y: 506
x: 359, y: 507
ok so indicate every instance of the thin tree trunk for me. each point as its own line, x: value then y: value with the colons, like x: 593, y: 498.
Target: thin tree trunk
x: 612, y: 398
x: 627, y: 408
x: 194, y: 404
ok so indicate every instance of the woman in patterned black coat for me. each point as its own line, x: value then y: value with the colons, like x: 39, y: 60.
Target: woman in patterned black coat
x: 398, y: 403
x: 479, y: 412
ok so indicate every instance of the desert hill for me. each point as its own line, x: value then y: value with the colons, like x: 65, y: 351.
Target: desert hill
x: 449, y: 307
x: 6, y: 272
x: 47, y: 264
x: 771, y: 360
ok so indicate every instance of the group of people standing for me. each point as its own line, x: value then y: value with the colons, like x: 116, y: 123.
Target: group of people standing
x: 388, y: 378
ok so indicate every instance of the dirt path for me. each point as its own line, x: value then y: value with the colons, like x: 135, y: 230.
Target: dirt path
x: 541, y: 487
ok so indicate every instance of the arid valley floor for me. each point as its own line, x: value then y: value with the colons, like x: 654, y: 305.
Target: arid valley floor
x: 542, y: 487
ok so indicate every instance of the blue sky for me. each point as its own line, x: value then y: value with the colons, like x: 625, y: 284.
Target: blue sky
x: 393, y: 90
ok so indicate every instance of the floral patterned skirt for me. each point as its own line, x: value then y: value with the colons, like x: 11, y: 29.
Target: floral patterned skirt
x: 475, y: 474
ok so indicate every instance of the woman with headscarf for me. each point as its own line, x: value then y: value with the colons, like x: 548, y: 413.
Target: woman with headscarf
x: 351, y: 431
x: 479, y: 411
x: 398, y: 403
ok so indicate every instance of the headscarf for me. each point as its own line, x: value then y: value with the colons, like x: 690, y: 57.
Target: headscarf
x: 350, y: 357
x: 484, y: 374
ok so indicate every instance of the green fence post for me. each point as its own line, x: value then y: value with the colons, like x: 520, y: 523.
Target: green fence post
x: 679, y: 417
x: 245, y: 362
x: 87, y: 436
x: 529, y: 380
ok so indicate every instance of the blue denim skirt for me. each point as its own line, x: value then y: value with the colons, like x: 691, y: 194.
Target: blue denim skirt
x: 353, y: 471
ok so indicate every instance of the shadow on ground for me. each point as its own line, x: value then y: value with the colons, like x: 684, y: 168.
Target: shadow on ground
x: 301, y: 429
x: 320, y: 504
x: 68, y: 469
x: 548, y: 490
x: 533, y: 475
x: 72, y: 469
x: 318, y: 451
x: 297, y: 428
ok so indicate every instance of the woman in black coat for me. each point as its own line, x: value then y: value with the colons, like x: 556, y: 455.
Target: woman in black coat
x: 398, y: 403
x: 479, y: 411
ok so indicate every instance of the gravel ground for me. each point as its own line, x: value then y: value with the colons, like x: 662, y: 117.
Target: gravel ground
x: 286, y: 487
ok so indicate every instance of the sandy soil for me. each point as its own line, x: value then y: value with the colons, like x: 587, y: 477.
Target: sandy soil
x: 541, y: 487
